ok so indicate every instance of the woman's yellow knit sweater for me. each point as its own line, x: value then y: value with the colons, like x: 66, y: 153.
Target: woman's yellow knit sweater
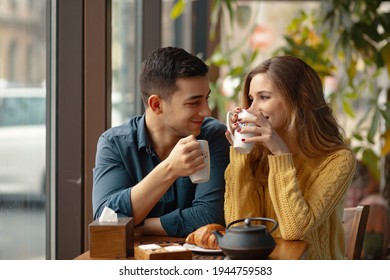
x: 305, y: 195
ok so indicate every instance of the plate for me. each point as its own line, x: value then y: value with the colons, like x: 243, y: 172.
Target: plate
x: 198, y: 249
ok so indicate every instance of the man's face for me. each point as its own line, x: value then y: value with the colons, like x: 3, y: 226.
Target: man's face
x: 185, y: 111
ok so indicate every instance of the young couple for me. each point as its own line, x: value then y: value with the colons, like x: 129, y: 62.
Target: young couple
x: 297, y: 174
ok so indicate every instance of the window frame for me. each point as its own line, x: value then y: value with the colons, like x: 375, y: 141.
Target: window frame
x: 82, y: 110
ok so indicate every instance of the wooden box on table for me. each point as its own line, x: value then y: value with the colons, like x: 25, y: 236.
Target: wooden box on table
x: 111, y: 239
x: 163, y: 253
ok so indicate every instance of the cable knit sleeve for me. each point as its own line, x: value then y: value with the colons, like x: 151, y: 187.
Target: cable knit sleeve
x: 242, y: 196
x: 301, y: 206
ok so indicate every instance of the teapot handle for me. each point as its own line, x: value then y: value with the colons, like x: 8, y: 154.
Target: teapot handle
x: 247, y: 222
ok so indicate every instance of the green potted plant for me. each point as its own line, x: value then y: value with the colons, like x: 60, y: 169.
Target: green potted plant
x: 347, y: 39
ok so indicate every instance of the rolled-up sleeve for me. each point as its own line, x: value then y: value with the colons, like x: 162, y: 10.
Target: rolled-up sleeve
x: 111, y: 180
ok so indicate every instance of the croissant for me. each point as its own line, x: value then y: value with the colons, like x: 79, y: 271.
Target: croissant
x: 203, y: 236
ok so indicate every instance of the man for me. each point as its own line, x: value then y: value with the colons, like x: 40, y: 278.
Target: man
x: 142, y: 167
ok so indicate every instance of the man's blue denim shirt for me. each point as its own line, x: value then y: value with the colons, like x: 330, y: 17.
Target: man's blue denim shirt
x: 124, y: 157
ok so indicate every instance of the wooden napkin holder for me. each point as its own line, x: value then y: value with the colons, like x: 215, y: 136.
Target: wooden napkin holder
x: 111, y: 239
x: 162, y: 253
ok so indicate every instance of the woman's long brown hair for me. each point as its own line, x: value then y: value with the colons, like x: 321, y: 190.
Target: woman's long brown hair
x: 311, y: 124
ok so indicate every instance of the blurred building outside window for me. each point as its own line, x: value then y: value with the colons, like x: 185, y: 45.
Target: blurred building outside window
x: 22, y: 129
x: 124, y: 72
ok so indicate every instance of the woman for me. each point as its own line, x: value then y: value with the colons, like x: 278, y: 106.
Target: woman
x: 300, y: 168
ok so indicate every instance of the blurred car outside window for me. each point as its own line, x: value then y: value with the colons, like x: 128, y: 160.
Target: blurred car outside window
x: 22, y: 143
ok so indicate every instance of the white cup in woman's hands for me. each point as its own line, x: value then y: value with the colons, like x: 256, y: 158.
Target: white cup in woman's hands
x: 239, y: 145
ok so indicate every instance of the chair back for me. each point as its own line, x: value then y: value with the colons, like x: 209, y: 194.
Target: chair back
x: 354, y: 223
x: 378, y: 224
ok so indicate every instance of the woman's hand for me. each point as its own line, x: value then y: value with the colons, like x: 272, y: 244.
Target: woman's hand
x: 265, y: 134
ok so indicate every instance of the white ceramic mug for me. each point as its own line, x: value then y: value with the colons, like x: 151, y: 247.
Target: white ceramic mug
x: 238, y: 144
x: 203, y: 175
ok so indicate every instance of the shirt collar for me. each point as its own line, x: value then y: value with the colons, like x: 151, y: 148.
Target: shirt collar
x: 142, y: 135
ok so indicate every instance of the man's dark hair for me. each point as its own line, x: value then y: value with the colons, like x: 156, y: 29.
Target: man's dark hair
x: 163, y: 67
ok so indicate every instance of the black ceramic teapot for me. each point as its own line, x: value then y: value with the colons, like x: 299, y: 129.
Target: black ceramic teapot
x: 247, y: 242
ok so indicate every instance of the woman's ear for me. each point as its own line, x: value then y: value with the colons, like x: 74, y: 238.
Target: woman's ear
x: 154, y: 102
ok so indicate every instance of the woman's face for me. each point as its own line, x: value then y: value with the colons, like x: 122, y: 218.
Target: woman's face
x: 268, y: 100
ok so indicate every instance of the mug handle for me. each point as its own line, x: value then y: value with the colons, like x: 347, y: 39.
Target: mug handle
x: 228, y: 125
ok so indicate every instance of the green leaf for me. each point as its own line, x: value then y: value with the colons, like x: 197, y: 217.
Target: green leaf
x: 357, y: 136
x: 356, y: 149
x: 253, y: 56
x: 351, y: 95
x: 236, y: 71
x: 386, y: 143
x: 374, y: 127
x: 371, y: 160
x: 386, y: 117
x: 215, y: 11
x: 348, y: 109
x: 351, y: 70
x: 177, y: 9
x: 230, y: 9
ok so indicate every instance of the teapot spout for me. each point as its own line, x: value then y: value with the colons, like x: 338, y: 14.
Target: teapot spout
x: 218, y: 235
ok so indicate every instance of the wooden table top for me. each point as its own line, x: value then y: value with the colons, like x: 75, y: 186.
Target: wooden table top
x: 284, y: 250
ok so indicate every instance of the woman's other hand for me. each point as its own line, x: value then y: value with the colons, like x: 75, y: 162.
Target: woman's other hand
x: 265, y: 134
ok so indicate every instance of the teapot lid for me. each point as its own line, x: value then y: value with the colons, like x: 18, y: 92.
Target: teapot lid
x: 248, y: 227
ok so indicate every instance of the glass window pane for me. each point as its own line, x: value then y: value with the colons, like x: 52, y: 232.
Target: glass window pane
x: 177, y: 32
x: 258, y: 27
x: 22, y: 129
x: 124, y: 74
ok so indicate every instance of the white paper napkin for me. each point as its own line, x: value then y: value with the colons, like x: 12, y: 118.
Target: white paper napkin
x: 108, y: 215
x: 149, y: 247
x: 175, y: 248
